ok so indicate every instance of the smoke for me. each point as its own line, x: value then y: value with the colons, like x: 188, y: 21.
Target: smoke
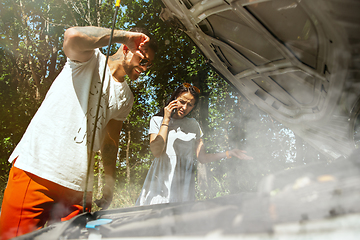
x: 273, y: 146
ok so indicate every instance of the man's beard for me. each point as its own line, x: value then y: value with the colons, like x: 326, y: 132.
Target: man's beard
x: 129, y: 70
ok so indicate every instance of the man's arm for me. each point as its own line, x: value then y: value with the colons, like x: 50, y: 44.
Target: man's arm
x: 80, y: 42
x: 109, y: 155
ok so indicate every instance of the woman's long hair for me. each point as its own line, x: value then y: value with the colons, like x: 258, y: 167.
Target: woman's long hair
x: 177, y: 93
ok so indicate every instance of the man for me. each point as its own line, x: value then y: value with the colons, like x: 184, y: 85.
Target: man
x: 47, y: 179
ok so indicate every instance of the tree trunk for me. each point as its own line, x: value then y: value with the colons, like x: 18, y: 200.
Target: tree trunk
x: 100, y: 179
x: 200, y: 82
x: 299, y: 151
x: 30, y: 60
x: 202, y: 177
x: 98, y: 15
x: 127, y: 158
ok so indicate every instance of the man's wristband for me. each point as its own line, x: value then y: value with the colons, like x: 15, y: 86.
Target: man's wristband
x: 164, y: 125
x: 227, y: 154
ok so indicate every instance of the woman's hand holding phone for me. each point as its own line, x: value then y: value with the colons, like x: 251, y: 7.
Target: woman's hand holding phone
x: 170, y: 109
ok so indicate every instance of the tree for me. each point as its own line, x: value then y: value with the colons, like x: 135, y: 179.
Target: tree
x: 31, y: 60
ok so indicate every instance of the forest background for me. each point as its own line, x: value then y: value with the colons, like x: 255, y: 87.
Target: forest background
x: 32, y: 57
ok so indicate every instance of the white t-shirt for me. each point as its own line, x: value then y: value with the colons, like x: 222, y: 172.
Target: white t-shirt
x: 56, y: 142
x: 171, y: 177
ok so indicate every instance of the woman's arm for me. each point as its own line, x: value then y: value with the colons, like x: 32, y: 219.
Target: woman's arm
x: 158, y: 141
x: 204, y: 157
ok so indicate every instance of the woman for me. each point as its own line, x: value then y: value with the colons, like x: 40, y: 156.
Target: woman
x: 175, y: 141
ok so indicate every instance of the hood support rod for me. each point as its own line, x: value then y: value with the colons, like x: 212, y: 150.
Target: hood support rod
x: 90, y: 150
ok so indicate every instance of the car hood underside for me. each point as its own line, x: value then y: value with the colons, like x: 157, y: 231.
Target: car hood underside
x: 296, y: 60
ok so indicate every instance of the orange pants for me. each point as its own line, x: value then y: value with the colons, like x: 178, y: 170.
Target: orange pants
x: 30, y: 201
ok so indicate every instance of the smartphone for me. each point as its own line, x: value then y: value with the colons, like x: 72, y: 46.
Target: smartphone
x: 173, y: 111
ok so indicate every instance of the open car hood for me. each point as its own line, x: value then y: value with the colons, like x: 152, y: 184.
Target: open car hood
x: 297, y: 60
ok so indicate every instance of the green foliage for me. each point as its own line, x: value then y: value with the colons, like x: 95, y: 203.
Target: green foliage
x: 31, y: 41
x: 31, y: 38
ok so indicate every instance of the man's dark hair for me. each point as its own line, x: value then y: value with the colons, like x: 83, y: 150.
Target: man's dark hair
x: 152, y: 43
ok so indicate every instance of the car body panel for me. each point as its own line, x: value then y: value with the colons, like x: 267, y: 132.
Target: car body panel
x: 317, y: 201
